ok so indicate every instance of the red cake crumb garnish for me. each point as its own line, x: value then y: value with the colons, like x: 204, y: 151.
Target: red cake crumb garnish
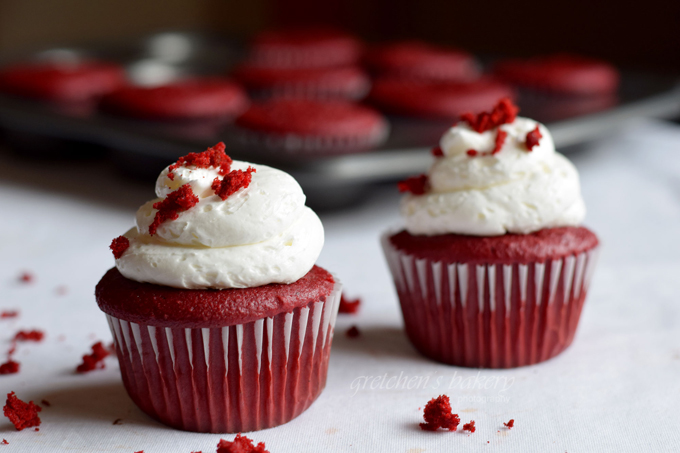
x: 498, y: 144
x: 119, y: 245
x: 232, y: 182
x: 4, y: 442
x: 118, y: 421
x: 29, y: 335
x: 212, y: 157
x: 503, y: 113
x: 532, y: 139
x: 470, y: 426
x: 417, y: 185
x: 22, y: 415
x: 9, y: 314
x: 45, y: 403
x: 240, y: 444
x: 437, y: 151
x: 178, y: 201
x: 140, y: 451
x: 471, y: 152
x: 348, y: 305
x: 437, y: 414
x: 353, y: 332
x: 10, y: 367
x: 26, y: 277
x: 510, y: 424
x: 95, y: 360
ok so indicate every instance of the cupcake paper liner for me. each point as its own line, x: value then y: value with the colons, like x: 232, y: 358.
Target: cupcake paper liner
x: 490, y: 315
x: 229, y: 379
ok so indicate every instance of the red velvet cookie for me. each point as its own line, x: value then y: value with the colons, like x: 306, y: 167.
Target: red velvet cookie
x: 446, y: 100
x: 62, y: 82
x: 305, y: 47
x: 316, y: 126
x: 422, y: 61
x: 560, y: 74
x: 188, y: 99
x: 326, y: 82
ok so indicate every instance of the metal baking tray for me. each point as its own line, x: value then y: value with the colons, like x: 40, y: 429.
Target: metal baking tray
x: 143, y: 148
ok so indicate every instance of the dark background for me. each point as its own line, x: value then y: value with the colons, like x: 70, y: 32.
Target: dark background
x: 639, y: 35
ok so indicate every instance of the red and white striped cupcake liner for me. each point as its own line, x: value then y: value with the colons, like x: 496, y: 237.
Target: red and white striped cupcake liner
x: 229, y: 379
x: 490, y: 315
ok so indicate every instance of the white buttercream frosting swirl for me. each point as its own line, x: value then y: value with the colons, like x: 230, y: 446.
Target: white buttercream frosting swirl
x: 261, y: 234
x: 512, y: 191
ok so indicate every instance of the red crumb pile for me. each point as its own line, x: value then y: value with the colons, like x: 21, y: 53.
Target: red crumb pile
x: 470, y: 426
x: 241, y: 444
x: 510, y: 424
x: 353, y: 332
x: 119, y: 245
x: 178, y: 201
x: 95, y: 360
x: 7, y: 314
x: 503, y: 113
x: 22, y: 415
x: 232, y: 182
x: 29, y: 335
x: 9, y: 367
x: 437, y: 414
x: 417, y: 185
x: 212, y: 157
x: 349, y: 306
x: 532, y: 138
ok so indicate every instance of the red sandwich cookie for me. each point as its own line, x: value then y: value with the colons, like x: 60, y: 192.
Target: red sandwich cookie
x: 348, y: 82
x: 200, y: 98
x: 422, y: 61
x: 312, y: 126
x: 444, y: 100
x: 570, y: 75
x: 305, y: 47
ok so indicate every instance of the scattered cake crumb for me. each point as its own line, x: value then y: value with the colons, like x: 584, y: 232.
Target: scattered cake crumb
x: 349, y: 306
x: 510, y: 424
x: 4, y: 442
x: 29, y: 335
x: 119, y: 245
x: 470, y: 426
x: 532, y: 139
x: 22, y: 415
x: 437, y: 151
x: 45, y: 403
x: 212, y: 157
x: 437, y: 414
x: 417, y: 185
x: 7, y: 314
x: 178, y: 201
x: 504, y: 112
x: 26, y: 277
x: 95, y: 360
x: 9, y: 367
x: 240, y: 444
x: 232, y: 182
x: 353, y: 332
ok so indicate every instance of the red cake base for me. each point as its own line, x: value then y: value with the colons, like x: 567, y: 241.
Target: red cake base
x: 231, y: 378
x: 492, y: 302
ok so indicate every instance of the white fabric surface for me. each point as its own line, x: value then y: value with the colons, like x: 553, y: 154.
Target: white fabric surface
x: 615, y: 389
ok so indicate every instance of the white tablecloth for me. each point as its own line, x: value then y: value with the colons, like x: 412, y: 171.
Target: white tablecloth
x: 615, y: 389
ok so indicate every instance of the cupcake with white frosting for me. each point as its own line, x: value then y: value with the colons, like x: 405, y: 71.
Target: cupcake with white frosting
x: 221, y: 320
x: 493, y: 265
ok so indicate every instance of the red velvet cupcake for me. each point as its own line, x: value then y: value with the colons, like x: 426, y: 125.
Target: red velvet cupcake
x: 493, y: 267
x: 348, y: 82
x: 199, y: 98
x: 561, y: 74
x: 298, y: 125
x: 305, y: 48
x: 221, y: 320
x: 422, y: 61
x: 442, y: 100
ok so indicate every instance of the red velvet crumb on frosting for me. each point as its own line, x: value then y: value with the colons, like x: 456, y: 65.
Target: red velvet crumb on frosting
x: 353, y: 332
x: 240, y: 444
x: 178, y: 201
x: 437, y: 414
x: 233, y: 182
x: 417, y: 185
x: 470, y: 426
x: 437, y: 151
x: 29, y: 335
x: 498, y: 145
x: 22, y: 415
x: 7, y: 314
x: 510, y: 424
x: 503, y: 113
x: 348, y: 305
x: 95, y: 360
x: 532, y: 139
x: 212, y: 157
x: 9, y: 367
x: 119, y: 245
